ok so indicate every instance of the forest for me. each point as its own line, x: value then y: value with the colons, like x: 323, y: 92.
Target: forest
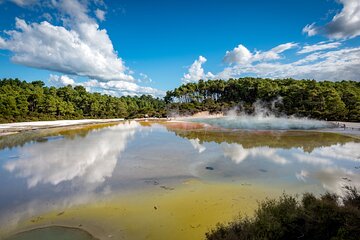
x: 23, y: 101
x: 306, y: 98
x: 31, y: 101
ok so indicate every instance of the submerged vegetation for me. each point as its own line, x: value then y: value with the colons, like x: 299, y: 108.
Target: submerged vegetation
x: 286, y: 218
x: 23, y: 101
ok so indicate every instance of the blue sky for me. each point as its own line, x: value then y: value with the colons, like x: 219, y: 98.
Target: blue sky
x: 154, y: 46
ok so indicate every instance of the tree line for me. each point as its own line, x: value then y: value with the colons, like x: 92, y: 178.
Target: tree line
x: 29, y: 101
x: 306, y: 98
x: 24, y: 101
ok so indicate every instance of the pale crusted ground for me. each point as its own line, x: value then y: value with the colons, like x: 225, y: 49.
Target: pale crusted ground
x: 11, y: 128
x: 346, y: 128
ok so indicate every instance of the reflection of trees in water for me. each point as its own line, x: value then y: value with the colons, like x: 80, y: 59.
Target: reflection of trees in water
x: 19, y: 139
x: 275, y: 139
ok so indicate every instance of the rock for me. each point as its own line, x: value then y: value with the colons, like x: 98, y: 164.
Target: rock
x: 60, y: 213
x: 167, y: 188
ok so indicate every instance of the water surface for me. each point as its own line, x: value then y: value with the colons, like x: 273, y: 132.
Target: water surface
x: 161, y: 180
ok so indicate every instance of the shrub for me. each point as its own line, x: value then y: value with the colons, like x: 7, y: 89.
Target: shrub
x: 326, y: 217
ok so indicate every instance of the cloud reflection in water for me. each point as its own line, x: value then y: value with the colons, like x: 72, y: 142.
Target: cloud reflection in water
x: 335, y: 179
x: 333, y: 165
x: 197, y: 145
x: 87, y: 160
x: 238, y: 153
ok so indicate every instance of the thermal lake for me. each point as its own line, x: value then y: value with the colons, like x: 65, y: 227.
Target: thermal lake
x: 162, y: 180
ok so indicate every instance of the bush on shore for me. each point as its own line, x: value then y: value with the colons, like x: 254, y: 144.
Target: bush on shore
x: 325, y: 217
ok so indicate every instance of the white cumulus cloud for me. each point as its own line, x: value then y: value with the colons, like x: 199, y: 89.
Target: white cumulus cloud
x: 114, y: 88
x: 77, y: 47
x: 240, y: 55
x: 345, y: 24
x: 322, y: 61
x: 196, y: 71
x: 121, y: 88
x: 86, y: 51
x: 60, y: 81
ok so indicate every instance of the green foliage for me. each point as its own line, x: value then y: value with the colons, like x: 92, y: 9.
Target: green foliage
x: 286, y: 218
x: 306, y: 98
x: 23, y: 101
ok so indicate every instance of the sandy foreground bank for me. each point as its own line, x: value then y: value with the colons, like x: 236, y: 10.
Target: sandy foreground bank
x: 11, y: 128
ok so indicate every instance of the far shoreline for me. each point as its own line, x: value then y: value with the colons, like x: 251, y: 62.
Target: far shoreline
x: 344, y: 128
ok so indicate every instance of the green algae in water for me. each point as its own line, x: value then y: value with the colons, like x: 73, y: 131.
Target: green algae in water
x: 53, y: 233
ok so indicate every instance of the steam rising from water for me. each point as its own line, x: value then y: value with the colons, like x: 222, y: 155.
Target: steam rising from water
x: 264, y: 123
x: 262, y: 119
